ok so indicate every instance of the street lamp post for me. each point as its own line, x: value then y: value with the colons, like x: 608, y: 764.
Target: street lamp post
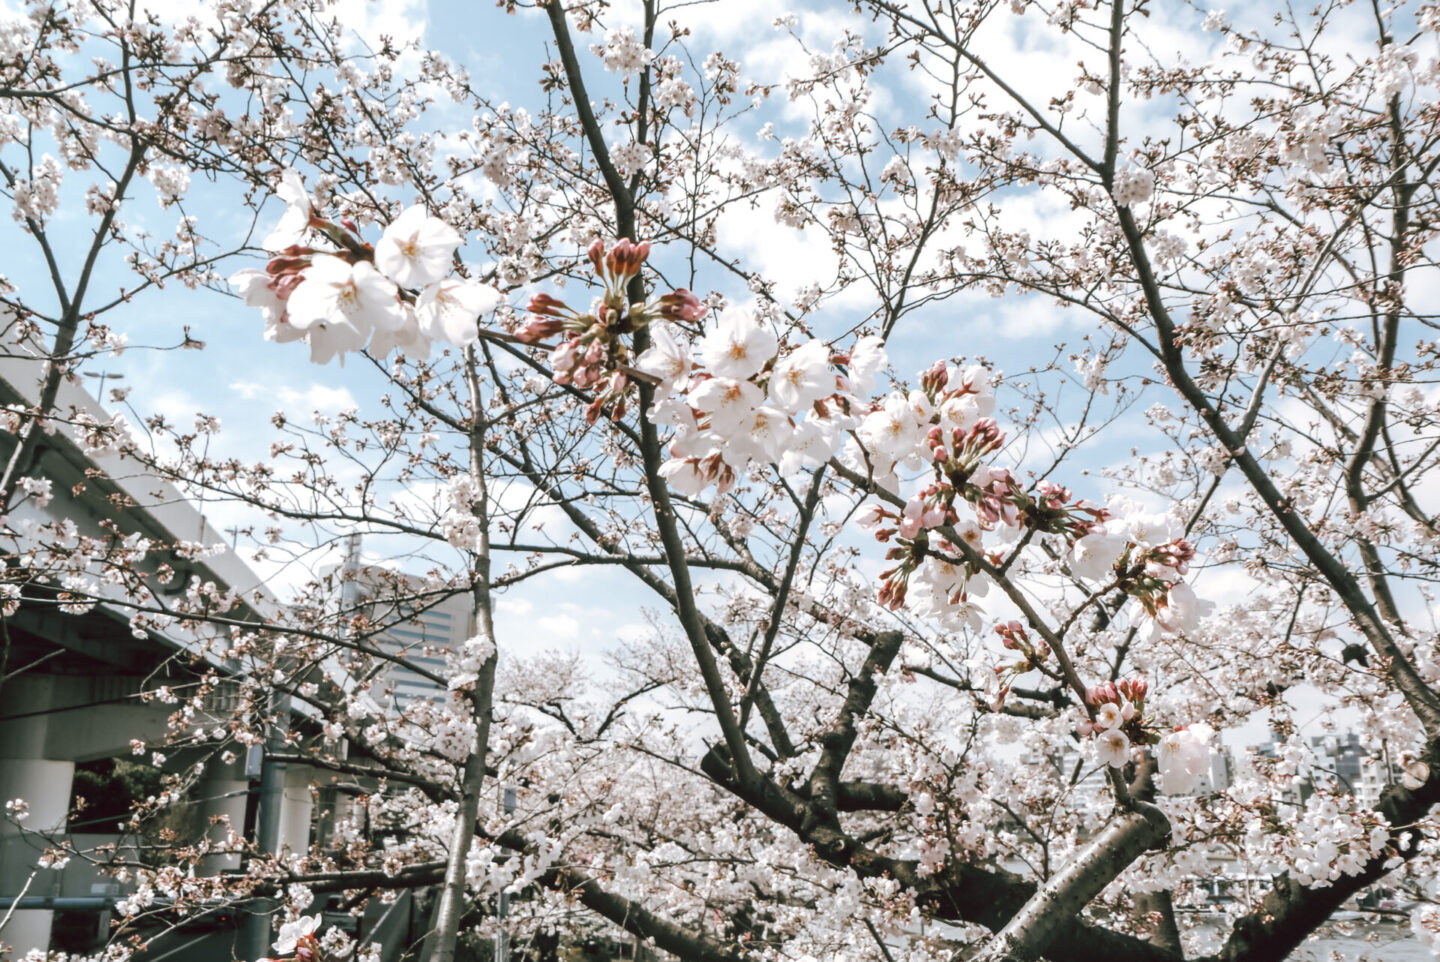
x: 103, y: 376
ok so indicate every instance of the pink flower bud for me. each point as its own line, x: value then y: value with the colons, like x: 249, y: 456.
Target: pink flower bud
x: 682, y: 305
x: 538, y: 328
x: 870, y: 516
x: 547, y: 306
x: 563, y: 359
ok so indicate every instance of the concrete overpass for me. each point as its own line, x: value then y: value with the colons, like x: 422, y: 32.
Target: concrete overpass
x: 73, y: 694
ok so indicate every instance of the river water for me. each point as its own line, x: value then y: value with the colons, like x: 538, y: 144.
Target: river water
x: 1361, y: 943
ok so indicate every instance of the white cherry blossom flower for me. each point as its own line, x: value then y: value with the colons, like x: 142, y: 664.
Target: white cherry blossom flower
x: 1184, y: 758
x: 960, y: 411
x: 867, y: 359
x: 336, y: 292
x: 688, y: 440
x: 762, y: 436
x: 623, y: 52
x: 893, y: 431
x: 292, y: 932
x: 869, y: 517
x: 1149, y: 530
x: 295, y: 222
x: 449, y: 310
x: 812, y: 444
x: 256, y: 288
x: 417, y: 249
x: 684, y: 476
x: 667, y: 359
x: 802, y: 377
x: 728, y: 402
x: 1093, y: 556
x: 738, y: 346
x: 1108, y: 716
x: 1113, y: 748
x: 407, y: 338
x: 329, y: 341
x: 1182, y: 610
x: 1133, y: 187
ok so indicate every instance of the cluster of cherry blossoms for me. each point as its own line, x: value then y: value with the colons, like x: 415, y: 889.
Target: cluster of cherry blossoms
x: 733, y: 398
x: 297, y: 938
x: 595, y: 350
x: 1332, y: 837
x: 328, y: 286
x: 1118, y: 725
x: 1146, y: 556
x: 737, y: 399
x: 1117, y: 719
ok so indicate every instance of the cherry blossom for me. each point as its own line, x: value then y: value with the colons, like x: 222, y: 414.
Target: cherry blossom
x: 345, y: 302
x: 867, y: 359
x: 1113, y: 748
x: 416, y: 249
x: 294, y: 224
x: 294, y: 932
x: 802, y: 377
x: 667, y: 358
x: 737, y: 346
x: 451, y: 310
x: 1093, y: 556
x: 730, y: 403
x: 1184, y: 758
x: 1133, y: 187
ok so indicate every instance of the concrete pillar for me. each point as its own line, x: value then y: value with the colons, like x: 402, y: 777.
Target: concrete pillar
x: 222, y: 794
x: 337, y: 807
x: 44, y: 784
x: 296, y: 810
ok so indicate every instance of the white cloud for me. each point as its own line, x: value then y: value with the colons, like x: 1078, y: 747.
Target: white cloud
x: 558, y: 629
x: 316, y: 397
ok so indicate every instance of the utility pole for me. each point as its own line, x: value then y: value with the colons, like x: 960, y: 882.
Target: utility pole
x: 255, y: 939
x: 502, y: 938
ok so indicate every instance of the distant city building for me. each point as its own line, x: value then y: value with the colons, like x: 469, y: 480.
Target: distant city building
x: 1340, y: 758
x: 420, y: 629
x: 1357, y: 772
x: 1220, y: 775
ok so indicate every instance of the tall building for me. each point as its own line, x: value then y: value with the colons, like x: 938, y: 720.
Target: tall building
x: 1357, y: 772
x: 1341, y: 758
x: 421, y: 625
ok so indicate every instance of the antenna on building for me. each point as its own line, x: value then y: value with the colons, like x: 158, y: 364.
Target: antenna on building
x: 350, y: 570
x: 352, y: 551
